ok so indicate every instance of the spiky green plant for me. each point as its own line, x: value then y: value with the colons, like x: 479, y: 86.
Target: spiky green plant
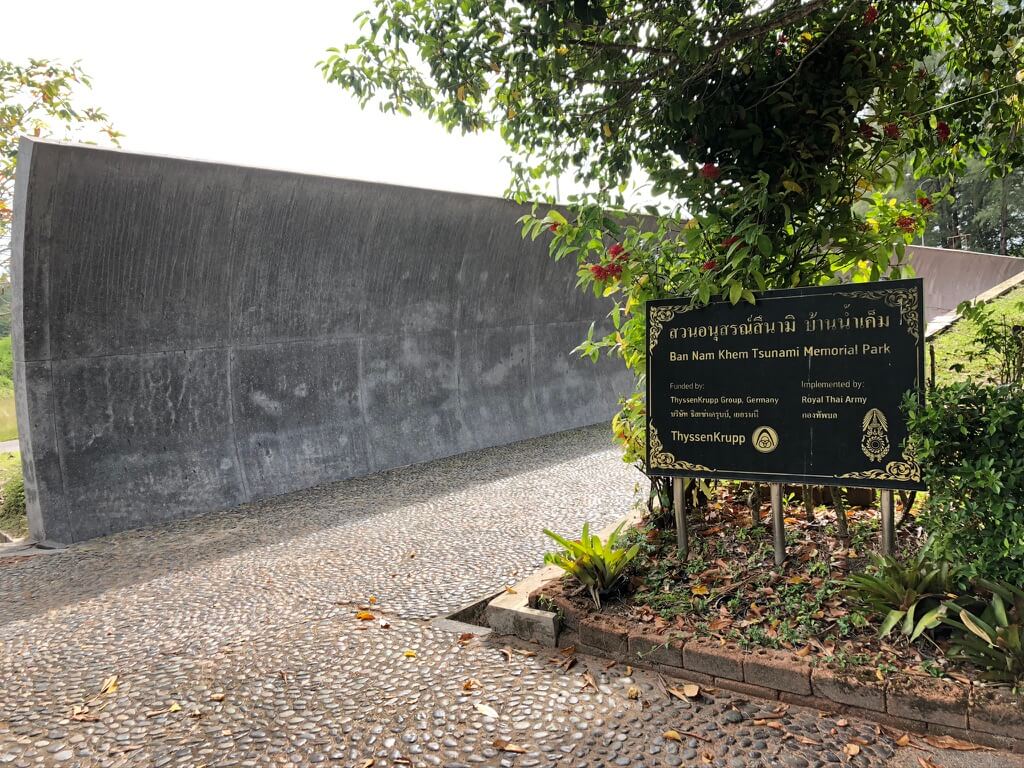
x: 596, y: 565
x: 993, y: 640
x: 911, y: 594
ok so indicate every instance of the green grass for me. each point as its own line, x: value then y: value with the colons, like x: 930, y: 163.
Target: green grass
x: 8, y: 422
x: 956, y: 345
x: 15, y: 524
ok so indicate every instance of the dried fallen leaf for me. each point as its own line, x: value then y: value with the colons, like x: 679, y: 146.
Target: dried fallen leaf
x: 569, y: 650
x: 805, y: 740
x: 948, y: 742
x: 82, y: 714
x: 672, y: 735
x: 903, y: 740
x: 691, y: 690
x: 506, y: 746
x: 175, y: 707
x: 409, y: 653
x: 465, y: 637
x: 367, y: 763
x: 216, y: 697
x: 852, y: 750
x: 588, y: 679
x: 924, y: 762
x: 384, y: 624
x: 486, y: 711
x: 365, y: 616
x: 805, y: 651
x: 842, y: 722
x: 109, y: 685
x: 471, y: 684
x: 372, y: 600
x: 633, y: 692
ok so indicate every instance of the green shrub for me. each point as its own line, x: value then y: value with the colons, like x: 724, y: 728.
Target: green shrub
x: 6, y: 365
x: 968, y: 439
x: 597, y: 566
x: 908, y: 594
x: 12, y: 509
x: 993, y: 638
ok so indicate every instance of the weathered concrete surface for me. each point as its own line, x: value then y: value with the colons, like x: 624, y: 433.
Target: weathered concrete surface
x: 191, y: 336
x: 953, y: 276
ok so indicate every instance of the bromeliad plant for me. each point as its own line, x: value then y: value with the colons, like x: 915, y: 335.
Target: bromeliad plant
x: 912, y: 595
x: 994, y: 639
x: 597, y: 566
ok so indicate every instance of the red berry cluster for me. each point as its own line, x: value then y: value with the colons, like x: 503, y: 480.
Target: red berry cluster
x: 618, y: 253
x: 710, y: 171
x: 709, y: 265
x: 602, y: 272
x: 942, y: 132
x: 907, y: 223
x: 925, y: 202
x: 892, y: 131
x: 871, y: 15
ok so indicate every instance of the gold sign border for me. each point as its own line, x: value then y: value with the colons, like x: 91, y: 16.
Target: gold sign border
x: 905, y: 470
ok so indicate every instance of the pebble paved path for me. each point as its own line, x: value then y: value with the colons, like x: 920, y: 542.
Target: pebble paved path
x: 234, y: 640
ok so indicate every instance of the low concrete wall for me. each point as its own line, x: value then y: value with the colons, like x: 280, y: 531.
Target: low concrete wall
x: 953, y: 276
x: 190, y: 336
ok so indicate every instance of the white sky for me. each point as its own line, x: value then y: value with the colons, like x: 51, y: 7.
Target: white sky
x: 236, y: 82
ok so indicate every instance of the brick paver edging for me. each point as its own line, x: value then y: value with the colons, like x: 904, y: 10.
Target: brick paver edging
x: 981, y: 714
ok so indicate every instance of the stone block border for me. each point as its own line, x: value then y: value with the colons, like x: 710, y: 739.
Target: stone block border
x: 980, y: 714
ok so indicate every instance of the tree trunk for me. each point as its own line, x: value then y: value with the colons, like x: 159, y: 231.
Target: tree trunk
x: 954, y: 214
x: 839, y: 504
x: 1003, y: 216
x: 809, y: 502
x: 754, y: 502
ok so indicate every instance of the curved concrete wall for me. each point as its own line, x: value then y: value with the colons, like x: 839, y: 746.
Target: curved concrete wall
x: 191, y: 336
x: 952, y: 276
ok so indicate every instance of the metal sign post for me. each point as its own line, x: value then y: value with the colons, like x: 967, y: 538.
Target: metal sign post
x: 682, y: 533
x: 778, y: 524
x: 888, y: 523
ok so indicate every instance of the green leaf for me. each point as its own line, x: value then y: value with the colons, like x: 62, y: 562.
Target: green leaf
x: 891, y: 621
x: 735, y: 292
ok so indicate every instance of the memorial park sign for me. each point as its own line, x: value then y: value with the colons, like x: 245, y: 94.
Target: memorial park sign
x: 805, y: 386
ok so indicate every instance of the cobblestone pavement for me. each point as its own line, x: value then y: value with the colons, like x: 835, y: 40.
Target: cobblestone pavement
x: 234, y: 638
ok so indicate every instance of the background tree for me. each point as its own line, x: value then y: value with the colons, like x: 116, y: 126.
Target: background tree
x: 767, y: 130
x: 978, y: 212
x: 38, y: 99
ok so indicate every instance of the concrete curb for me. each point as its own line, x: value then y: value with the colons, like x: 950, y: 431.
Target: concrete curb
x: 511, y: 614
x: 981, y: 714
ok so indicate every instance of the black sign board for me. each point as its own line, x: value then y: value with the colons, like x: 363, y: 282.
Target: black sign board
x: 805, y: 386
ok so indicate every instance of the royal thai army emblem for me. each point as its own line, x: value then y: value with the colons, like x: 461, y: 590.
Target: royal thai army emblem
x: 875, y: 439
